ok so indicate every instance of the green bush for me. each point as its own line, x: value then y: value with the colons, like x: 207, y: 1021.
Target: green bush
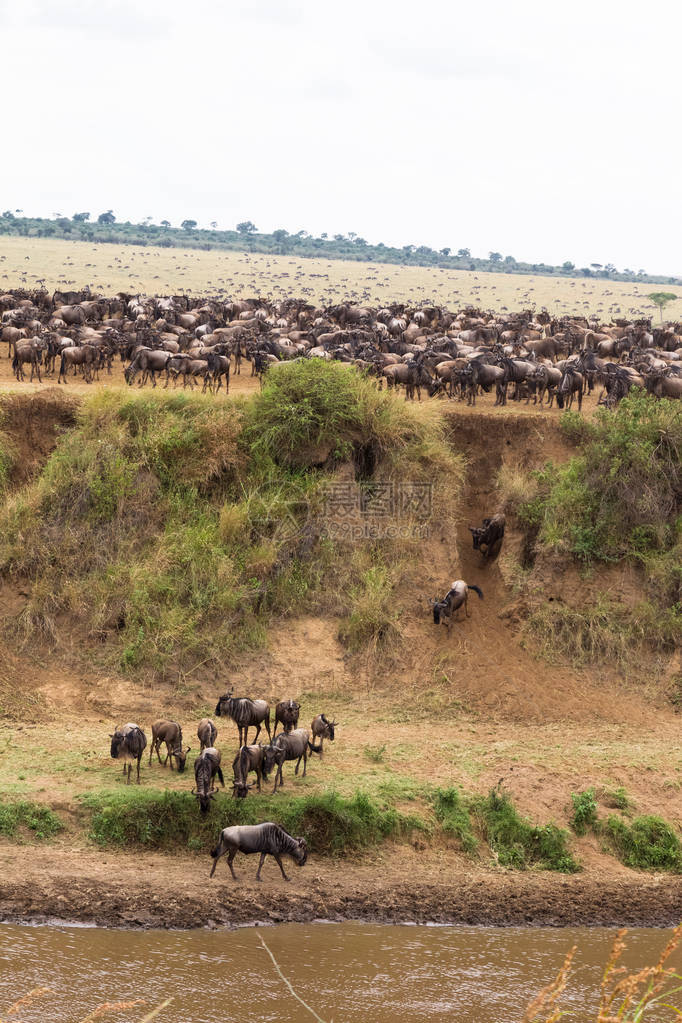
x: 584, y: 814
x: 518, y: 843
x: 649, y: 843
x: 621, y: 495
x: 41, y: 820
x: 330, y: 824
x: 453, y: 815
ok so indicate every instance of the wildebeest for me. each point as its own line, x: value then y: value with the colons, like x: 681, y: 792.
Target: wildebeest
x: 572, y: 383
x: 489, y: 535
x: 245, y: 713
x: 149, y: 362
x: 207, y: 733
x: 286, y: 714
x: 456, y: 596
x: 249, y: 758
x: 86, y: 356
x: 268, y: 839
x: 170, y: 733
x: 206, y: 767
x: 127, y: 744
x: 287, y: 746
x: 28, y: 351
x: 321, y: 728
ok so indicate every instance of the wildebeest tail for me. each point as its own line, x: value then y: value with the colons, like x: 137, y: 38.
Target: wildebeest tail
x: 219, y: 772
x: 436, y: 614
x: 215, y: 852
x: 476, y: 589
x: 313, y: 748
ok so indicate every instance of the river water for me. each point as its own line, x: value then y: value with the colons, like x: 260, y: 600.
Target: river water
x: 347, y: 972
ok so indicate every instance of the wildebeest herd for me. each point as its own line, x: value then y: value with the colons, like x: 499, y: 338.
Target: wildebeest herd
x: 458, y: 354
x: 129, y: 742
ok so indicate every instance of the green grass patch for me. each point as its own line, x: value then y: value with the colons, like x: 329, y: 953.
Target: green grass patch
x: 584, y: 816
x: 39, y: 819
x: 453, y: 814
x: 648, y: 843
x: 518, y: 843
x: 332, y: 825
x: 617, y: 799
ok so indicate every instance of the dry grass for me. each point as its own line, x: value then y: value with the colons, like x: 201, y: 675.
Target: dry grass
x: 515, y: 487
x: 110, y: 268
x: 625, y: 997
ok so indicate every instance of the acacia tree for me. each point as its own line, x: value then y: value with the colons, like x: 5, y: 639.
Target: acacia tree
x: 106, y: 218
x: 188, y: 225
x: 246, y: 227
x: 661, y: 299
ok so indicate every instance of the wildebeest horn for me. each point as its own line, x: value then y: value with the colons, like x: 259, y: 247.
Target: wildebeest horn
x: 193, y: 792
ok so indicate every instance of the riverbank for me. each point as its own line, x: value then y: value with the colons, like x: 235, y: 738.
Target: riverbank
x: 391, y: 886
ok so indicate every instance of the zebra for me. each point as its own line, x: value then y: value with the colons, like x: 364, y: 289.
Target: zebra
x: 127, y: 744
x: 245, y: 713
x: 268, y: 839
x: 206, y: 767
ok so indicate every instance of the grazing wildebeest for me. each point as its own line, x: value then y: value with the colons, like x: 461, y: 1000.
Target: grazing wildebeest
x: 170, y: 733
x: 286, y: 714
x: 321, y: 728
x: 249, y: 758
x: 245, y: 713
x: 206, y: 767
x: 287, y: 746
x: 268, y: 839
x: 127, y: 744
x: 489, y: 535
x: 207, y: 733
x: 457, y: 595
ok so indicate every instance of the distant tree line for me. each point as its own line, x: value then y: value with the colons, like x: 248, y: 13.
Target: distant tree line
x: 104, y: 227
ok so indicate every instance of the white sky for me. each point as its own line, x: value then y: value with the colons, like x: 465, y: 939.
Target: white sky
x: 546, y: 131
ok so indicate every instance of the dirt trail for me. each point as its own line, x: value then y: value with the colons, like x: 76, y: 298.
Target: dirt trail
x: 483, y: 657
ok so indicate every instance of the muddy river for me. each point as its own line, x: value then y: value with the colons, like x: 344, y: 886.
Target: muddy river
x: 347, y: 972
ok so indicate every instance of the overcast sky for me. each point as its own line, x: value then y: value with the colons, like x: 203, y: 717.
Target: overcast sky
x: 544, y: 131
